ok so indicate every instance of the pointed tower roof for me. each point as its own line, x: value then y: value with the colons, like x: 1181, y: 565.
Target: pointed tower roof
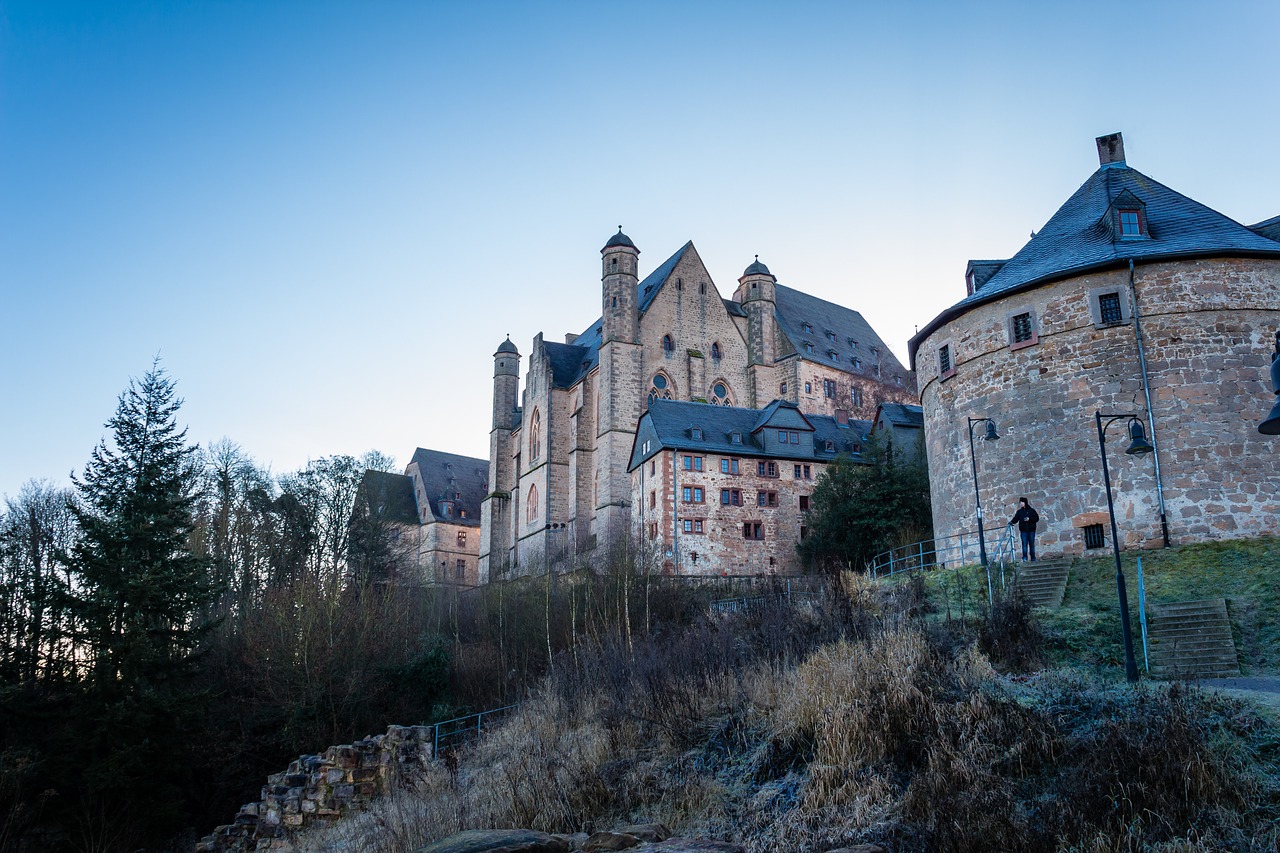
x: 1078, y: 238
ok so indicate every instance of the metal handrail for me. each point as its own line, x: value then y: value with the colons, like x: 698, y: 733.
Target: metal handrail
x: 472, y: 725
x: 961, y: 549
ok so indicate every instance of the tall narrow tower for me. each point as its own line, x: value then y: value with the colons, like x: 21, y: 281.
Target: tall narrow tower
x: 758, y: 296
x: 619, y: 389
x: 495, y: 522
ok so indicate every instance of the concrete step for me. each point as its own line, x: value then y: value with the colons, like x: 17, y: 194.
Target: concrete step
x: 1043, y: 583
x: 1191, y: 639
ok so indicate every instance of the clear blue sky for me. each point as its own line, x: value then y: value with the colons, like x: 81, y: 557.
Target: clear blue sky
x: 324, y: 216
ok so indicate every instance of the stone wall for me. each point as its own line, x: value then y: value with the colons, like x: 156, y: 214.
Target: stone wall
x: 323, y: 788
x: 721, y: 548
x: 1208, y: 327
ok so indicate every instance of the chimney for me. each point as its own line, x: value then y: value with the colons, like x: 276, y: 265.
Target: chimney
x: 1110, y: 149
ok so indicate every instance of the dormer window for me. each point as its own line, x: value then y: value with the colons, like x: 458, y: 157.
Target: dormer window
x: 853, y: 344
x: 696, y: 433
x: 857, y: 363
x: 1126, y: 218
x: 735, y: 438
x: 831, y: 336
x: 1130, y: 222
x: 830, y: 446
x: 807, y: 328
x: 808, y: 347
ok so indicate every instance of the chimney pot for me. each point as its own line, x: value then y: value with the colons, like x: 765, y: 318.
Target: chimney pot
x: 1110, y: 149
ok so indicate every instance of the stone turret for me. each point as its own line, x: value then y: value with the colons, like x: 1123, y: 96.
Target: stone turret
x: 619, y: 388
x: 757, y: 294
x: 621, y: 314
x: 495, y: 509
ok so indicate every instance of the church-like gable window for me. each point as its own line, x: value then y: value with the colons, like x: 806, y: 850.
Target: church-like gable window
x: 715, y: 350
x: 531, y: 511
x: 720, y: 395
x: 535, y: 436
x: 668, y: 345
x: 660, y: 388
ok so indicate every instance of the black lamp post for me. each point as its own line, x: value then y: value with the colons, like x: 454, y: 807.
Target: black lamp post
x: 991, y: 435
x: 1271, y: 426
x: 1138, y: 445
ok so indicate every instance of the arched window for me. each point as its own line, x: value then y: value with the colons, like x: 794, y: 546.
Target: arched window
x: 720, y: 394
x: 531, y: 509
x: 535, y: 436
x: 715, y: 349
x: 668, y: 345
x: 661, y: 388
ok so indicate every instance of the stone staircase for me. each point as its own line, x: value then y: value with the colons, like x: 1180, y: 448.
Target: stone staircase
x: 1043, y: 582
x: 1191, y: 639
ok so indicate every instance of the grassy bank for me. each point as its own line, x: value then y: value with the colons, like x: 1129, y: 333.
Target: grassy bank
x: 1084, y: 634
x: 872, y: 717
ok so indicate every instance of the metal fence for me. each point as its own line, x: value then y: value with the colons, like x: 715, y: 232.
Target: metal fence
x: 788, y: 594
x: 950, y: 552
x: 451, y: 733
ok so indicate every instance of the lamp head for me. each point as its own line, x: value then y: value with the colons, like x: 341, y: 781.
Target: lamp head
x: 1138, y: 444
x: 991, y: 435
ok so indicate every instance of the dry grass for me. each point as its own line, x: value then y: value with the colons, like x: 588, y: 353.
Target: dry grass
x: 810, y: 729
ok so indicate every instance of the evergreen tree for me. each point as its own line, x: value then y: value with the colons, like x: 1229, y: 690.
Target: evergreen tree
x: 139, y: 594
x: 861, y: 508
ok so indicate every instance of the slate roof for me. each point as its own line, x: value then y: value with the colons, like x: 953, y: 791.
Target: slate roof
x: 619, y: 239
x: 444, y: 473
x: 673, y: 420
x: 571, y: 362
x: 756, y: 268
x: 1078, y: 238
x: 390, y: 496
x: 796, y: 308
x: 768, y: 412
x: 901, y: 414
x: 507, y: 346
x: 1269, y: 228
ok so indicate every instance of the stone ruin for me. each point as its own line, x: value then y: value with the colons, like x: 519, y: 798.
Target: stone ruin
x: 320, y: 788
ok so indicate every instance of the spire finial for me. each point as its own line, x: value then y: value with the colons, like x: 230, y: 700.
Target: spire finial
x: 757, y: 256
x: 619, y: 229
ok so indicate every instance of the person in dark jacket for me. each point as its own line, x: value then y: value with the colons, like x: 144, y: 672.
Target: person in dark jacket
x: 1026, y: 519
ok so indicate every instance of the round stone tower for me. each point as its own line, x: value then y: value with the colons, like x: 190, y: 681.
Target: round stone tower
x: 1131, y: 300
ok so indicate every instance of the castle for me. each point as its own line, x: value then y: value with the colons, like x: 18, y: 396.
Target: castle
x: 561, y: 450
x: 1132, y: 299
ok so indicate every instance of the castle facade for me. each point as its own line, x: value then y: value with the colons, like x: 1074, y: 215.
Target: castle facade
x: 561, y: 449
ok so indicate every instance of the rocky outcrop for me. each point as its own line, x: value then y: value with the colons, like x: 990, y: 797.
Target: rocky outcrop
x: 322, y: 788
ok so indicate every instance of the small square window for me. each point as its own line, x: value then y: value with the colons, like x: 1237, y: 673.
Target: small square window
x: 1109, y: 309
x: 752, y: 530
x: 808, y: 388
x: 1021, y: 328
x: 1094, y: 537
x: 1130, y: 223
x: 804, y: 503
x: 946, y: 361
x: 697, y: 433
